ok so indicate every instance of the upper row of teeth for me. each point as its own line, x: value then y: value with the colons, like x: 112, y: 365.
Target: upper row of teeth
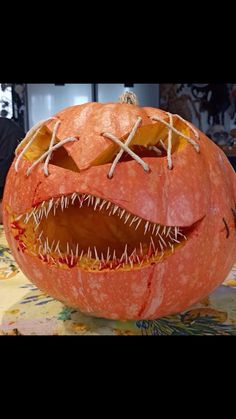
x: 63, y: 202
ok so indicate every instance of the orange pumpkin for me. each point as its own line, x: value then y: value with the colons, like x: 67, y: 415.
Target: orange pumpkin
x: 121, y: 211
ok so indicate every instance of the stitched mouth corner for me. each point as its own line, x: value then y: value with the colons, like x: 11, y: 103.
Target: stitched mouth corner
x: 94, y: 234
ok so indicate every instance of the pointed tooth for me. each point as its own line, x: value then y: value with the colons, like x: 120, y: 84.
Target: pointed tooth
x: 51, y: 247
x: 66, y: 201
x: 140, y: 220
x: 49, y: 208
x: 141, y: 248
x: 108, y: 254
x: 127, y: 217
x: 73, y: 198
x: 154, y: 227
x: 161, y: 245
x: 89, y: 200
x: 89, y: 253
x: 168, y: 232
x: 72, y: 256
x: 175, y: 240
x: 115, y: 209
x: 163, y: 241
x: 153, y: 245
x: 102, y: 204
x: 96, y: 203
x: 134, y: 220
x: 40, y: 235
x: 77, y: 251
x: 62, y: 202
x: 26, y: 218
x: 57, y: 246
x: 32, y: 212
x: 157, y: 230
x: 172, y: 247
x: 96, y: 253
x: 35, y: 219
x: 183, y: 235
x: 108, y: 205
x: 114, y: 255
x: 122, y: 213
x: 132, y: 254
x: 85, y: 197
x: 81, y: 255
x: 122, y: 257
x: 126, y: 254
x: 51, y: 202
x: 162, y: 254
x: 146, y: 227
x: 164, y: 230
x: 81, y: 202
x: 176, y: 232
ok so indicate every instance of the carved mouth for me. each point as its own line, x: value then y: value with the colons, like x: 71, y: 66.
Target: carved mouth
x: 94, y: 234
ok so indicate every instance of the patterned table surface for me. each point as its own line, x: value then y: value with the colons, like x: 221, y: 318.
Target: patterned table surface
x: 25, y: 310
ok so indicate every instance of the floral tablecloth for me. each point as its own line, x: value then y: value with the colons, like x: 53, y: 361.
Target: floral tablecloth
x: 25, y: 310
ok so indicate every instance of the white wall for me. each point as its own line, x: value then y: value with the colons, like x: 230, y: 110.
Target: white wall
x: 148, y: 94
x: 44, y: 100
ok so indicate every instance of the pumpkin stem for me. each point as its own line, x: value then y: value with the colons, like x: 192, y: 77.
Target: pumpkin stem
x: 129, y: 97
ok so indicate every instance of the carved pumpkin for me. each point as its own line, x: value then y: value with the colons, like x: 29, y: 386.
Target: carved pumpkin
x: 121, y: 211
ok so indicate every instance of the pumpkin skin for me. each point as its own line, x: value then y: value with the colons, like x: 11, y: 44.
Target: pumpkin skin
x: 198, y: 195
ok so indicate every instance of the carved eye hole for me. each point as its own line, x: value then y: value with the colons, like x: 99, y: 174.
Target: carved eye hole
x: 41, y: 144
x: 141, y: 151
x: 61, y: 158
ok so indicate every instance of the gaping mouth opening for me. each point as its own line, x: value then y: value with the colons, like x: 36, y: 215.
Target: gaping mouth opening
x: 94, y: 234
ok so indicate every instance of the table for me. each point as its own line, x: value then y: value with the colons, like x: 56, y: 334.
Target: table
x: 25, y: 310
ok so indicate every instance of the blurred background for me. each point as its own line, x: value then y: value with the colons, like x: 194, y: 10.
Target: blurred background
x: 211, y: 107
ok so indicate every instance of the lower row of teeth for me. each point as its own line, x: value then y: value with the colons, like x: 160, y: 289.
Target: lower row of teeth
x: 167, y: 237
